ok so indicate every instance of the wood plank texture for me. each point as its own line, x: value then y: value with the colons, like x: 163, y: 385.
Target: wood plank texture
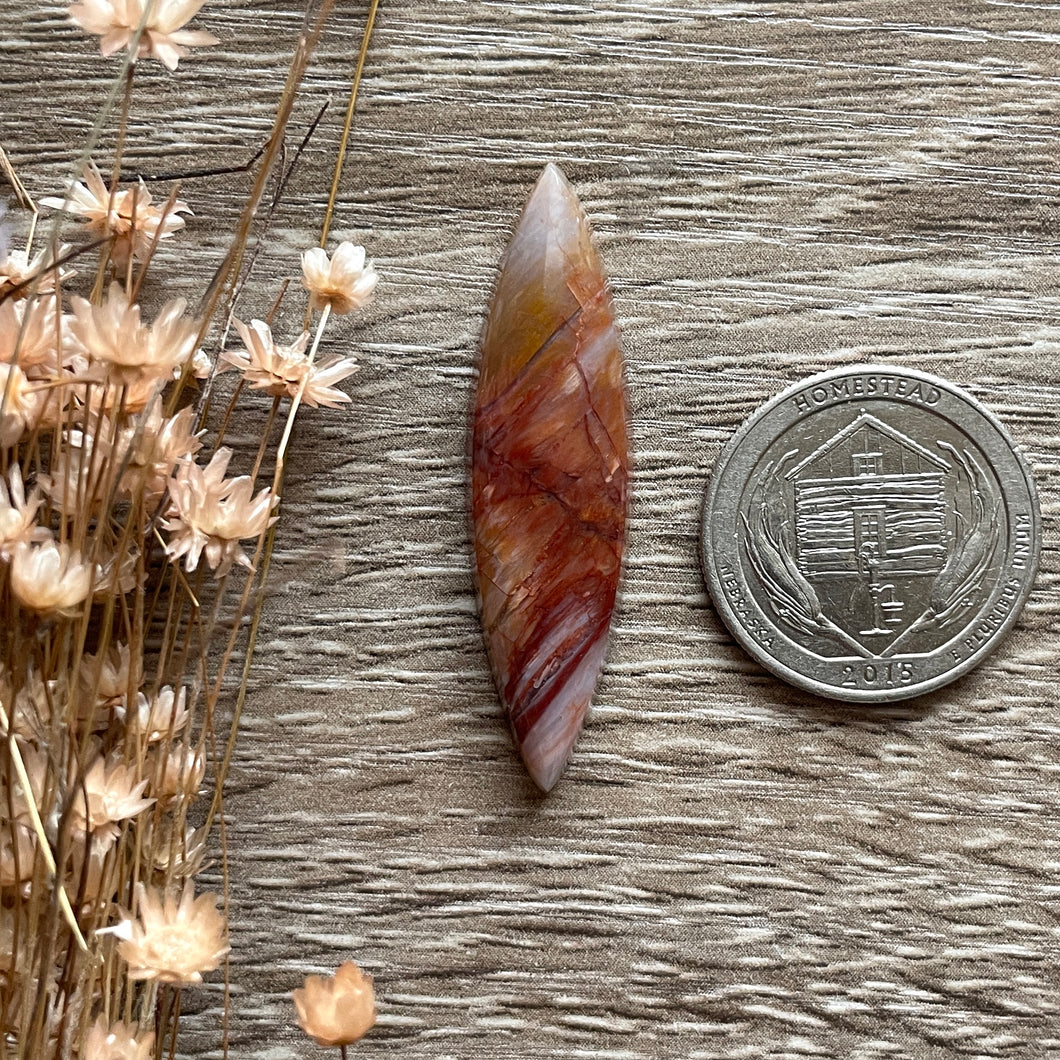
x: 730, y: 868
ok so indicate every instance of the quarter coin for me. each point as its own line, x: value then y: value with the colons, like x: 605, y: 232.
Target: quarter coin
x: 870, y: 534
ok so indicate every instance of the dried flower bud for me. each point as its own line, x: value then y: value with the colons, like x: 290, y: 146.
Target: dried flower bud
x: 159, y: 718
x: 18, y: 852
x: 173, y: 941
x: 18, y: 513
x: 339, y: 1010
x: 30, y: 335
x: 344, y: 282
x: 20, y: 404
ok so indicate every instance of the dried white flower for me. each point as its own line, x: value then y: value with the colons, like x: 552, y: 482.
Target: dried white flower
x: 160, y: 717
x: 107, y: 794
x: 108, y: 678
x: 124, y: 351
x: 18, y: 513
x: 118, y: 1041
x: 344, y: 282
x: 21, y: 404
x: 174, y: 941
x: 128, y: 216
x: 180, y: 772
x: 155, y: 446
x: 283, y: 369
x: 338, y: 1010
x: 115, y: 23
x: 211, y: 514
x: 30, y: 336
x: 18, y: 271
x: 49, y: 577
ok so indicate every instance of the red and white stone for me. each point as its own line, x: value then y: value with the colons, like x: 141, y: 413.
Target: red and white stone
x: 550, y: 467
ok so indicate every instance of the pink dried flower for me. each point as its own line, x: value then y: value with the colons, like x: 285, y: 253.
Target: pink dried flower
x: 173, y: 941
x: 338, y: 1010
x: 49, y: 577
x: 211, y: 514
x: 282, y: 370
x: 129, y: 217
x: 124, y: 351
x: 116, y: 21
x: 344, y: 282
x: 118, y: 1041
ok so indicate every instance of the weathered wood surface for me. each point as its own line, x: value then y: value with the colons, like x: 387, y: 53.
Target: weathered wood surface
x: 731, y: 868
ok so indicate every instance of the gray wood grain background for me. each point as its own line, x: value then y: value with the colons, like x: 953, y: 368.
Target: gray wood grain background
x: 731, y: 868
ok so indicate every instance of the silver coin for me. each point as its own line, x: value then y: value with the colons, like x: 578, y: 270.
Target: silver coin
x: 870, y: 534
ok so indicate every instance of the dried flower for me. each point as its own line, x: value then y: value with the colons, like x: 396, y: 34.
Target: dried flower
x: 18, y: 513
x: 127, y: 216
x: 106, y: 676
x: 338, y: 1010
x: 173, y: 941
x: 116, y: 21
x: 155, y: 446
x: 283, y: 369
x: 344, y: 282
x: 118, y: 1041
x: 123, y: 350
x: 180, y: 772
x: 106, y: 795
x: 209, y: 513
x: 20, y: 404
x: 176, y: 850
x: 49, y: 577
x: 18, y: 851
x: 30, y: 335
x: 160, y: 717
x: 18, y: 271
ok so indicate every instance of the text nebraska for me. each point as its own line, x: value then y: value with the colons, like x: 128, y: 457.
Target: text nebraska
x: 743, y: 607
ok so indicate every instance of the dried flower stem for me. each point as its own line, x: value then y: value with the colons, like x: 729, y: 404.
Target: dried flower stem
x: 38, y: 827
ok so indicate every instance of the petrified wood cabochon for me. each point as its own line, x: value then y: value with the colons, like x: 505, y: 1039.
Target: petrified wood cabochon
x: 550, y: 469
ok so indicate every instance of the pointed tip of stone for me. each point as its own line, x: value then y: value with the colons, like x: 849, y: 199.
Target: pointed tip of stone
x: 546, y: 774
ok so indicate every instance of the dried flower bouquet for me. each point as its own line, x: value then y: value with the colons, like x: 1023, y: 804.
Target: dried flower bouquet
x: 131, y: 557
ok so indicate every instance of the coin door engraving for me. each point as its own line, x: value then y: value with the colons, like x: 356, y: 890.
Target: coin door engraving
x: 870, y: 533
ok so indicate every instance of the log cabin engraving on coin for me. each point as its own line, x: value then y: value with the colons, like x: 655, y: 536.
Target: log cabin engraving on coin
x: 870, y: 534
